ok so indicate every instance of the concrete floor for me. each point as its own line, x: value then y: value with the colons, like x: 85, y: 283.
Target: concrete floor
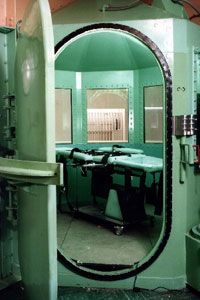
x: 93, y: 243
x: 80, y: 238
x: 89, y: 294
x: 88, y: 242
x: 15, y: 292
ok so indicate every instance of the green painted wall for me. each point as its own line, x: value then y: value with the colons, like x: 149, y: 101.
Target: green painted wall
x: 135, y: 81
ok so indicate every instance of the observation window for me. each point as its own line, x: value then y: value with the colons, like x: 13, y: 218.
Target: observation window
x: 63, y: 115
x: 107, y: 115
x: 153, y: 111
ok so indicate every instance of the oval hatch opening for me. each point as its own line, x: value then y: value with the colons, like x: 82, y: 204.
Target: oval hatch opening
x: 113, y: 92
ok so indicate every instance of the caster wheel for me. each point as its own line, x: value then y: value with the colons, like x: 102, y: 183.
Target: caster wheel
x: 118, y: 230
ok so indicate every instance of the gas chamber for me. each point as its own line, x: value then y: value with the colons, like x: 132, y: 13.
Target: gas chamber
x: 112, y: 161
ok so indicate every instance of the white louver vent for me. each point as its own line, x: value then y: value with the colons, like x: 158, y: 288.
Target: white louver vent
x: 106, y: 125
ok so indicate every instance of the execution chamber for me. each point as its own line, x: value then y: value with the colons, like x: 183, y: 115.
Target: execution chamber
x: 100, y: 147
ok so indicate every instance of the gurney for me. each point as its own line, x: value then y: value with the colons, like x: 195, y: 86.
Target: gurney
x: 124, y: 204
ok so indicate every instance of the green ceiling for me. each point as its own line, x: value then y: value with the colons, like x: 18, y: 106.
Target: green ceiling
x: 105, y: 51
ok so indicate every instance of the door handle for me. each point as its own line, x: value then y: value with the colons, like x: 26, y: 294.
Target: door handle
x: 34, y: 172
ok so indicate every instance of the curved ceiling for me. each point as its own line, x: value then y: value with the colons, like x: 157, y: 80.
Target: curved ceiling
x: 105, y: 51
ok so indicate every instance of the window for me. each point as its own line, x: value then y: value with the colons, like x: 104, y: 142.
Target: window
x: 107, y: 115
x: 153, y: 113
x: 63, y: 115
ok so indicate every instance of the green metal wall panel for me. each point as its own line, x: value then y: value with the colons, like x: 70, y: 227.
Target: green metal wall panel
x: 143, y: 78
x: 134, y: 81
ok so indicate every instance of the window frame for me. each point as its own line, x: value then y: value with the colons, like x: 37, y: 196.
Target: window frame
x: 144, y: 115
x: 127, y: 114
x: 71, y: 115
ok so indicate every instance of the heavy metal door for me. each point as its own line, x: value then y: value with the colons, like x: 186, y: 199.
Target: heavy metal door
x: 34, y: 171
